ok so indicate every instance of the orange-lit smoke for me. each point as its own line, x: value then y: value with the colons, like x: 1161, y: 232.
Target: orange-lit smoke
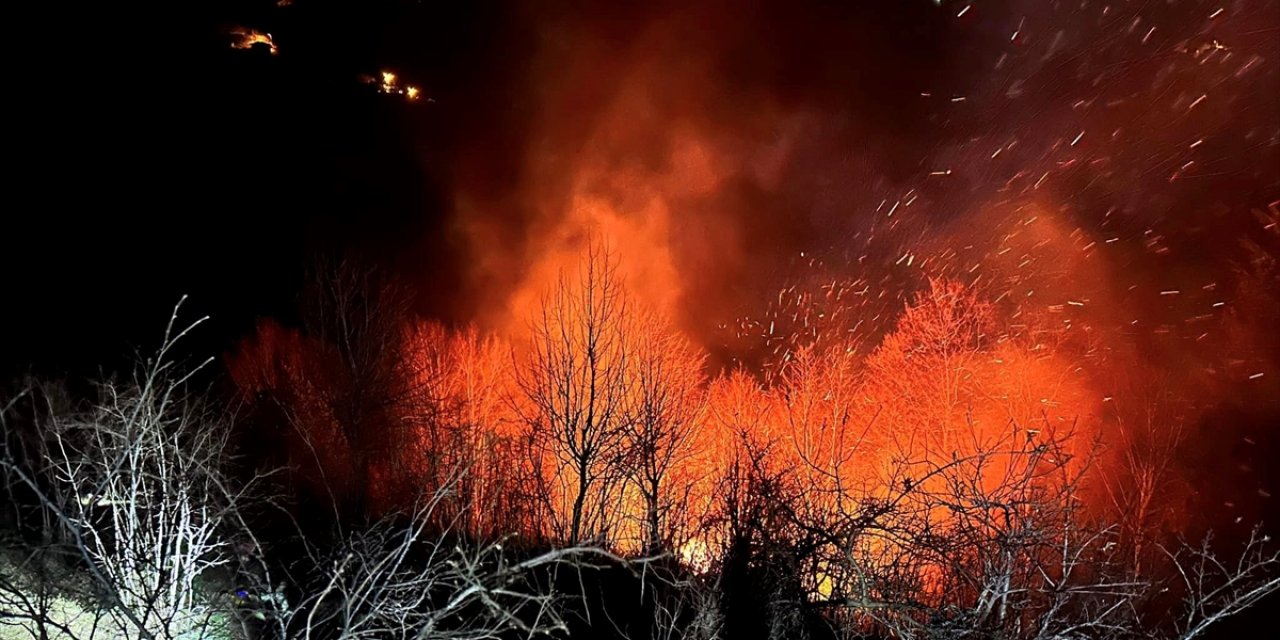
x: 627, y: 147
x: 936, y: 320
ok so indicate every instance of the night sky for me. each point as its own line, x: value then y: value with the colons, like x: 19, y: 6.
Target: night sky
x: 152, y: 160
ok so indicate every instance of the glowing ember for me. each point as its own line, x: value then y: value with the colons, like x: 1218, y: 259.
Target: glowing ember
x: 388, y: 82
x: 247, y: 38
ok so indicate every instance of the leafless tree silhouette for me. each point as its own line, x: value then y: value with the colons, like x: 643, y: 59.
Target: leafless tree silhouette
x: 577, y: 389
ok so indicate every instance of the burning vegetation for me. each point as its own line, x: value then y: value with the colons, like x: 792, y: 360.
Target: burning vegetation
x: 959, y: 470
x: 946, y: 399
x: 389, y: 82
x: 247, y: 38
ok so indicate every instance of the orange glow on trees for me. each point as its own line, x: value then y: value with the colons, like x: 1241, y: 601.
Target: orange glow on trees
x: 668, y: 400
x: 604, y: 416
x: 946, y: 464
x: 576, y: 387
x: 602, y: 423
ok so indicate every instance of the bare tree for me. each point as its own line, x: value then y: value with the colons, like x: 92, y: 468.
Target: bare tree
x: 1215, y: 588
x: 405, y: 577
x: 575, y: 387
x: 140, y: 491
x: 927, y: 373
x: 460, y: 420
x: 668, y: 382
x: 1141, y: 481
x: 689, y: 610
x: 358, y: 316
x: 38, y: 577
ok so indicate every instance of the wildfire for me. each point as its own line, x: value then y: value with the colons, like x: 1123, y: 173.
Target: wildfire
x: 247, y: 38
x: 388, y: 82
x: 925, y: 326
